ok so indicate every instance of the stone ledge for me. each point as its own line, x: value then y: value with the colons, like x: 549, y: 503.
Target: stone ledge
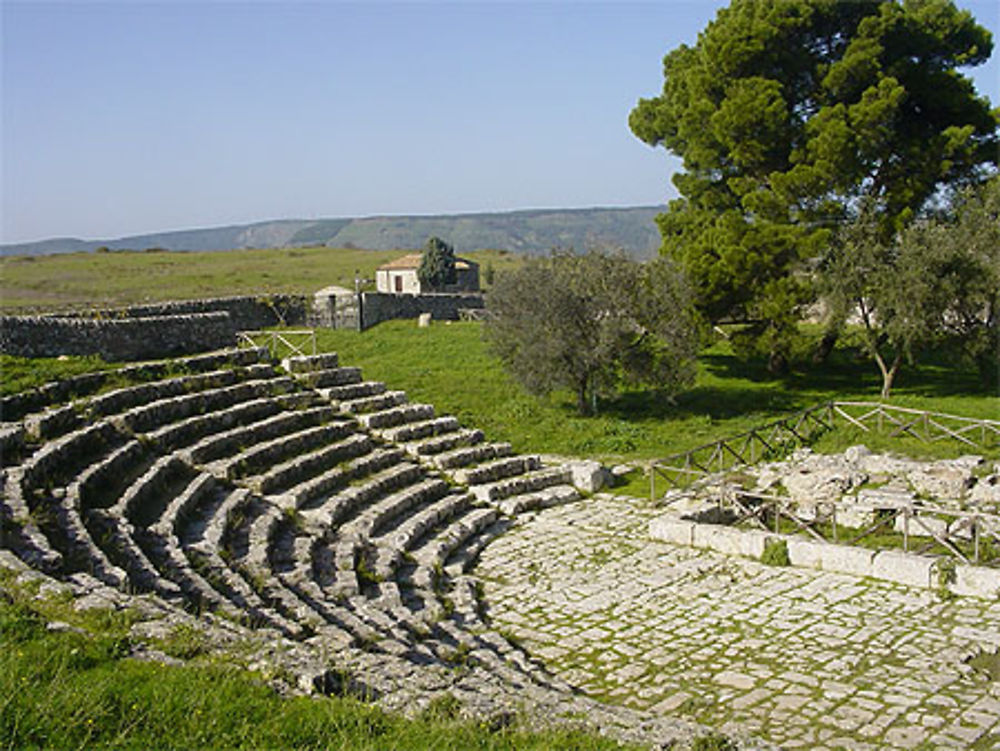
x: 908, y: 569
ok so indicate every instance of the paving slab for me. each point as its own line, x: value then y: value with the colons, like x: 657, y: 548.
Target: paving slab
x: 803, y: 658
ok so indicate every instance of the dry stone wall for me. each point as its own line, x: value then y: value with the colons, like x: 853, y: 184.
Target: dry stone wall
x: 341, y: 308
x: 148, y: 331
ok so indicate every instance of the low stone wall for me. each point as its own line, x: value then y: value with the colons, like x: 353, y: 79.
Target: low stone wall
x: 911, y: 570
x: 341, y: 308
x: 379, y: 306
x: 116, y: 339
x: 143, y: 332
x: 246, y: 312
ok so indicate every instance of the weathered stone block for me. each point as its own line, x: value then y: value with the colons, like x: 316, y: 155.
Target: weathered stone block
x: 904, y: 568
x: 976, y: 581
x: 673, y: 530
x: 730, y: 541
x: 840, y: 558
x: 589, y: 476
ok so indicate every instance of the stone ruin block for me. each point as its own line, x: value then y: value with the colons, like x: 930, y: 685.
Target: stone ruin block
x: 673, y: 530
x: 905, y: 568
x: 827, y: 557
x: 730, y: 541
x: 976, y: 581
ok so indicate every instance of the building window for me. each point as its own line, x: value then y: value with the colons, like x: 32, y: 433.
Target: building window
x: 399, y: 283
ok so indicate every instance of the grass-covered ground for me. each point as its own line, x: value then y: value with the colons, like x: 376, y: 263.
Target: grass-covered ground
x: 123, y: 278
x: 78, y: 688
x: 449, y: 366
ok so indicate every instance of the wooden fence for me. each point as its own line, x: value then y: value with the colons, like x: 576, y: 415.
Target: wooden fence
x: 280, y: 343
x: 778, y: 438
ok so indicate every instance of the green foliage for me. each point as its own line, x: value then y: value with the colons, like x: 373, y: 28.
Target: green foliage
x: 592, y: 323
x: 437, y: 265
x: 450, y: 366
x: 933, y: 283
x: 785, y: 113
x: 775, y: 553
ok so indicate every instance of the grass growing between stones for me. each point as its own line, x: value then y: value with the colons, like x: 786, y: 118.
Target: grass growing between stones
x: 79, y: 689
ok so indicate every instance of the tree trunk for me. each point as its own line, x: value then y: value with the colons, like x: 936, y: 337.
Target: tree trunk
x: 777, y: 364
x: 888, y: 374
x: 582, y: 402
x: 826, y: 345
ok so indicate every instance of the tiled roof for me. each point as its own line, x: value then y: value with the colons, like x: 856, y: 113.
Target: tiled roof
x: 412, y: 261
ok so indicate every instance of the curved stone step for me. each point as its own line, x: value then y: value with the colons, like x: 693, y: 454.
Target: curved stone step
x: 467, y: 455
x: 366, y: 524
x: 496, y: 470
x: 367, y: 405
x: 52, y: 422
x: 80, y: 551
x: 118, y: 542
x: 145, y: 500
x: 434, y: 445
x: 392, y: 545
x: 253, y: 403
x: 265, y: 454
x: 234, y: 387
x: 494, y: 492
x: 219, y: 445
x: 19, y: 532
x: 329, y: 378
x: 102, y: 483
x: 309, y: 363
x: 419, y: 429
x: 464, y: 556
x: 303, y: 467
x: 312, y: 494
x: 352, y: 391
x: 350, y: 500
x: 125, y: 398
x: 58, y: 462
x: 554, y: 495
x: 396, y: 416
x: 433, y: 552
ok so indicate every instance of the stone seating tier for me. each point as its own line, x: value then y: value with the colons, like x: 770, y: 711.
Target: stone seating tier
x: 311, y: 505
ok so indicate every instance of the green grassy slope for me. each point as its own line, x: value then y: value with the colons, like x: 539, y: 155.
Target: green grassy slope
x: 449, y: 366
x: 111, y: 279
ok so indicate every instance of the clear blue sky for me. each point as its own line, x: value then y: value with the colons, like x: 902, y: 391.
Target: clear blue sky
x: 120, y: 118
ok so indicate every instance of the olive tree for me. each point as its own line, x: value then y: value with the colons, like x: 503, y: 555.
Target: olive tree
x: 934, y: 283
x: 593, y: 323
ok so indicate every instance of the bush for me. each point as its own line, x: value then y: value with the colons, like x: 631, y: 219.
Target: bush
x: 775, y: 553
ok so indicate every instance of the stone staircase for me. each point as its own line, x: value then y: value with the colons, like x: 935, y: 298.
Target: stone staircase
x: 302, y: 502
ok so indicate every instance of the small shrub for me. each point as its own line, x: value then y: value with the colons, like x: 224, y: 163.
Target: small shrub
x: 775, y: 553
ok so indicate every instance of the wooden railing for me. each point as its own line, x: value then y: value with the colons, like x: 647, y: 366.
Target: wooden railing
x: 280, y: 343
x: 778, y: 438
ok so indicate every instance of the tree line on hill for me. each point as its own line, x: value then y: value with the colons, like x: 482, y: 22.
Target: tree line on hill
x: 832, y: 152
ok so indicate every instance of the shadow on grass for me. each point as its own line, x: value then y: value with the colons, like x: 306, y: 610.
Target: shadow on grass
x: 716, y: 403
x: 848, y: 371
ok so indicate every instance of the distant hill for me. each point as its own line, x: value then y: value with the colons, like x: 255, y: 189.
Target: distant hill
x: 533, y: 232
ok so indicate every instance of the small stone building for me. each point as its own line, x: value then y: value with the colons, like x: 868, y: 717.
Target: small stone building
x: 400, y: 276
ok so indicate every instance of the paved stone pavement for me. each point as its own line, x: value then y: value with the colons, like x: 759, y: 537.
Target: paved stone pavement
x: 803, y: 659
